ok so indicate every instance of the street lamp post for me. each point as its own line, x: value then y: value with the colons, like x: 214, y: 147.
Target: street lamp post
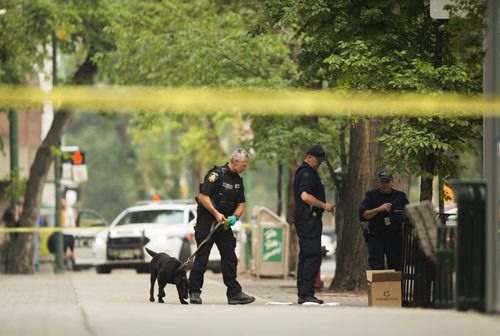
x: 491, y: 157
x: 59, y: 267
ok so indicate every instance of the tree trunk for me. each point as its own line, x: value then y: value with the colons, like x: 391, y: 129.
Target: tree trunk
x: 377, y: 151
x: 428, y: 164
x: 294, y: 242
x: 425, y: 189
x: 402, y: 180
x: 351, y: 259
x: 21, y: 261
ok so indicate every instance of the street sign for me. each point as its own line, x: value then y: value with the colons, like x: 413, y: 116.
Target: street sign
x: 437, y: 9
x: 80, y: 174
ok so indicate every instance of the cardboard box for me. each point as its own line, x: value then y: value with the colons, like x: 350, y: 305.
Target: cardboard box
x: 384, y: 288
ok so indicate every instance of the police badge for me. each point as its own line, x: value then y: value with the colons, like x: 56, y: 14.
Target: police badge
x: 213, y: 177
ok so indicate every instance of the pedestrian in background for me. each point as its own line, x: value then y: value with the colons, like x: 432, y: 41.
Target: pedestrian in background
x: 383, y: 209
x: 222, y: 195
x: 69, y: 217
x: 310, y: 202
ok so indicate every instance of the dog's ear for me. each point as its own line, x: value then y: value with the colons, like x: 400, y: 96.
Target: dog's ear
x: 180, y: 272
x: 180, y: 275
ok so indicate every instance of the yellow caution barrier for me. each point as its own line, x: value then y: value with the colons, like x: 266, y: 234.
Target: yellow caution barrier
x: 250, y: 101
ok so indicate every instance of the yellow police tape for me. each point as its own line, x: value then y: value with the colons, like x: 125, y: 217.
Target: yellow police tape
x: 51, y: 229
x: 245, y: 226
x: 250, y: 101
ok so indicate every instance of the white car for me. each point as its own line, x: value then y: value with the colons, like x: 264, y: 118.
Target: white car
x: 88, y: 224
x: 161, y: 226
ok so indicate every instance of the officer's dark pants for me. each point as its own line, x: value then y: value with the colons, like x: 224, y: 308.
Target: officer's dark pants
x: 310, y: 254
x: 226, y: 243
x: 384, y: 246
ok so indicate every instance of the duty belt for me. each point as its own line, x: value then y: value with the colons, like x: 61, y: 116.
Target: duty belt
x: 316, y: 213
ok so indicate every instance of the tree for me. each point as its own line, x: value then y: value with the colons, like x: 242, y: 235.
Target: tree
x: 207, y: 43
x: 368, y: 46
x: 283, y: 141
x: 423, y: 146
x: 31, y: 27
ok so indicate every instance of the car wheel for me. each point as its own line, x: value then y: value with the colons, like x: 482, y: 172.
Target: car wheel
x: 185, y: 251
x: 142, y: 269
x: 103, y: 269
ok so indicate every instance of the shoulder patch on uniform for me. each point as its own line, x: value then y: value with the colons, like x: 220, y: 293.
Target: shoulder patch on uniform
x: 213, y: 177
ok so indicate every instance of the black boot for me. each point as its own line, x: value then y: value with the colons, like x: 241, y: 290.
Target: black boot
x: 240, y: 298
x: 194, y: 298
x: 309, y: 298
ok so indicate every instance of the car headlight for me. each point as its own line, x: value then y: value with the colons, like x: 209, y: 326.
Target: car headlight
x: 100, y: 241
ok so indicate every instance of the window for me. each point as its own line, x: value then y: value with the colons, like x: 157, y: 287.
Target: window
x: 153, y: 216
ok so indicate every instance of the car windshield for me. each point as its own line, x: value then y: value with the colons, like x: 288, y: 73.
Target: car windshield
x: 153, y: 216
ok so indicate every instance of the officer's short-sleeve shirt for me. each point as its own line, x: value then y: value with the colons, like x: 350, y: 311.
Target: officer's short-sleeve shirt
x: 307, y: 180
x: 211, y: 182
x: 225, y: 188
x: 375, y: 198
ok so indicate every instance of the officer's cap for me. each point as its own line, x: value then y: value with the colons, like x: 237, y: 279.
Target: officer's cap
x: 385, y: 175
x: 318, y: 152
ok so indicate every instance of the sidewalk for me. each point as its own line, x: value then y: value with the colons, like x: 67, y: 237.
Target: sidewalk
x: 266, y: 288
x: 85, y: 303
x: 285, y: 290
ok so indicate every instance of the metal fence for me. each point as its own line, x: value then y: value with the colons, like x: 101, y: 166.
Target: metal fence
x: 426, y: 283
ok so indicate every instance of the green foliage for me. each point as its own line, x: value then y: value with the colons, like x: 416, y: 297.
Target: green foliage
x: 357, y: 66
x: 179, y: 43
x: 278, y: 139
x: 429, y: 146
x: 26, y: 31
x: 111, y: 162
x: 192, y: 43
x: 466, y: 34
x: 17, y: 186
x: 382, y: 46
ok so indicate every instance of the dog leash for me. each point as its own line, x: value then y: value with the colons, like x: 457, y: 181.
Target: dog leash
x: 189, y: 262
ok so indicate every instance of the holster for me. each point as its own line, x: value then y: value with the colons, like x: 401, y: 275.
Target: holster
x: 303, y: 212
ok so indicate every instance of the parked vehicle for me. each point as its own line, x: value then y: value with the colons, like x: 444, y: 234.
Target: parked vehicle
x: 161, y: 226
x: 88, y: 224
x: 329, y: 241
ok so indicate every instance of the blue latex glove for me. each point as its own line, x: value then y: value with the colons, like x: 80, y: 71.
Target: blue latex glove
x: 231, y: 220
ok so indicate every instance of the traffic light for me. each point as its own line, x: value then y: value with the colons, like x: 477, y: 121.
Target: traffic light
x: 73, y: 165
x: 74, y: 157
x: 78, y: 158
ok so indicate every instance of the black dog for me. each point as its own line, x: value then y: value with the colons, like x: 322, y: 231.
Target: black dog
x: 168, y: 270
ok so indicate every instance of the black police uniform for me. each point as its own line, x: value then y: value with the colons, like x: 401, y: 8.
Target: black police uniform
x: 225, y: 189
x: 383, y: 236
x: 309, y: 227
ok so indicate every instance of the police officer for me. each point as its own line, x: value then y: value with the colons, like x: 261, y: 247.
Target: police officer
x: 383, y: 209
x: 310, y: 202
x: 221, y: 195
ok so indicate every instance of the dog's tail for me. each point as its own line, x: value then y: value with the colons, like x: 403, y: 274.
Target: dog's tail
x: 151, y: 253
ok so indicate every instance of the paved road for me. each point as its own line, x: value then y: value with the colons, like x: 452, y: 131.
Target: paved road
x: 84, y: 303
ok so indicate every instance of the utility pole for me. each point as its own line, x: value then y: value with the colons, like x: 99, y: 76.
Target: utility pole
x: 439, y: 23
